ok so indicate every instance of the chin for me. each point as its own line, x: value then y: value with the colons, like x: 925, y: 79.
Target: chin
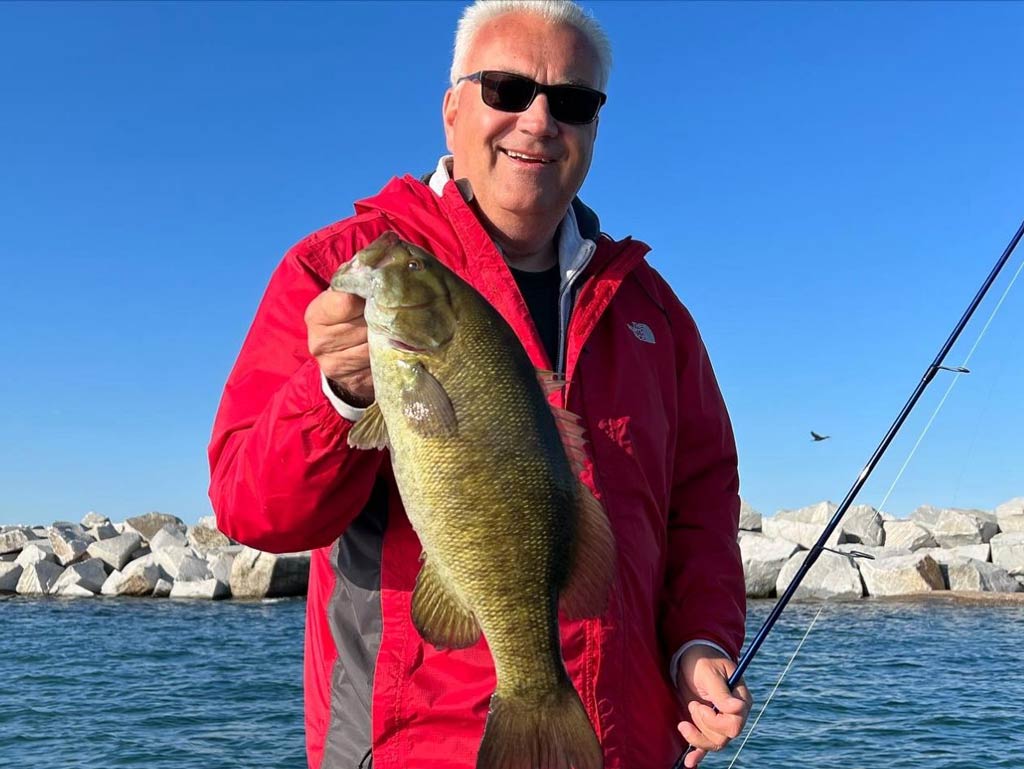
x: 534, y: 204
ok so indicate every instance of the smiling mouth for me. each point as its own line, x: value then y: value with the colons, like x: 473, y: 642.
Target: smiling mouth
x: 526, y: 158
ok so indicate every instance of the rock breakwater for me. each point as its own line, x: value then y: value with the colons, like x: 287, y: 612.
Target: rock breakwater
x: 870, y: 554
x: 155, y: 554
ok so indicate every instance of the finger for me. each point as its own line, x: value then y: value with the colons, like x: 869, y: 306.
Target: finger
x: 345, y: 341
x: 695, y: 757
x: 744, y: 694
x: 348, y: 364
x: 695, y: 754
x: 331, y: 307
x: 713, y: 685
x: 716, y: 728
x: 700, y: 744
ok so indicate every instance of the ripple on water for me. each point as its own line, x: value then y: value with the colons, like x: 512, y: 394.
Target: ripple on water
x: 200, y: 685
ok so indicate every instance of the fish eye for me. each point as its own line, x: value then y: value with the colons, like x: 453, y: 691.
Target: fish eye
x: 414, y: 265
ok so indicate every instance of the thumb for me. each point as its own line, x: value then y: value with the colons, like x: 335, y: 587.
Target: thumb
x: 714, y: 688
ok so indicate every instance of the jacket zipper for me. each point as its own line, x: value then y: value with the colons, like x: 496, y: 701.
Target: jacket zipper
x: 565, y: 302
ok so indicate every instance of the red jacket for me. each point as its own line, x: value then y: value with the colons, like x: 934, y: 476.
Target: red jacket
x: 663, y: 462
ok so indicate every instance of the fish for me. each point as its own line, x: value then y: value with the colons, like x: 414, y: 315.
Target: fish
x: 489, y: 475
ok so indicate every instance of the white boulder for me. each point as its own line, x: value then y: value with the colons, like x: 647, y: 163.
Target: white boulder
x: 89, y: 575
x: 220, y: 562
x: 38, y: 578
x: 91, y: 519
x: 255, y: 574
x: 168, y: 536
x: 954, y: 527
x: 831, y: 577
x: 139, y: 583
x: 907, y: 535
x: 863, y: 524
x: 901, y: 575
x: 1013, y: 506
x: 35, y: 552
x: 750, y: 519
x: 1008, y: 552
x: 763, y: 559
x: 970, y: 574
x: 206, y: 537
x: 149, y: 524
x: 206, y: 588
x: 69, y: 543
x: 116, y: 551
x: 804, y: 525
x: 10, y: 573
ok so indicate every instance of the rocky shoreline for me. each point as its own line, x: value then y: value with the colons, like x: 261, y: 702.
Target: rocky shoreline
x: 935, y: 550
x: 155, y: 555
x: 954, y: 552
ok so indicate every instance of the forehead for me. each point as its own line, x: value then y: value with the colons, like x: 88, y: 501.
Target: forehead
x: 530, y: 45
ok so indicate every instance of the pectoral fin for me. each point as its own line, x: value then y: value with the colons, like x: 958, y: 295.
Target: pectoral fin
x: 438, y: 614
x: 426, y: 406
x: 370, y: 432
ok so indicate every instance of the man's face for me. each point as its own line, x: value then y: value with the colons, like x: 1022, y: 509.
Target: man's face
x: 550, y: 159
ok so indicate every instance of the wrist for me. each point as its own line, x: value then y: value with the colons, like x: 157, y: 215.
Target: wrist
x: 347, y: 395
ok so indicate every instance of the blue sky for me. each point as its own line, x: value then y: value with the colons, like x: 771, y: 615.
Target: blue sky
x: 824, y: 185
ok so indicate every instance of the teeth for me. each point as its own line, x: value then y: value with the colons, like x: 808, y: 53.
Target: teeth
x: 520, y: 156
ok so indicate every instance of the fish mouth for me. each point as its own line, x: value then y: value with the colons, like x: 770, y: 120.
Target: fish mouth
x: 394, y: 342
x: 396, y: 307
x: 398, y: 344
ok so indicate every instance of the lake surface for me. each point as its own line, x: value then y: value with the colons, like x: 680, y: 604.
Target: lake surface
x: 112, y: 683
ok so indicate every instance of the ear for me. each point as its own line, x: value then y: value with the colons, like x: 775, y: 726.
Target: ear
x: 449, y: 110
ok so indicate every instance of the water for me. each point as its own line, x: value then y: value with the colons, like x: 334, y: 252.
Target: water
x: 112, y: 683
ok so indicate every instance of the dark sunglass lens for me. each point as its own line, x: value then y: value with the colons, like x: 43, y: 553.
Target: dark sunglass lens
x: 508, y: 93
x: 574, y: 105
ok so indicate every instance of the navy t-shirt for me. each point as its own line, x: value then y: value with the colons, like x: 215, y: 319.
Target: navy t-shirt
x: 540, y: 291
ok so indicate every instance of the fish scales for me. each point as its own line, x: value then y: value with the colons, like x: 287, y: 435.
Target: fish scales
x: 443, y: 477
x: 488, y: 486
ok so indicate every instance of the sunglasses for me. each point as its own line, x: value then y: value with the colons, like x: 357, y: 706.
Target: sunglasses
x: 506, y: 92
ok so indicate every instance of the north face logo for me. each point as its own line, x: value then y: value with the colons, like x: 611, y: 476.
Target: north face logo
x: 642, y: 331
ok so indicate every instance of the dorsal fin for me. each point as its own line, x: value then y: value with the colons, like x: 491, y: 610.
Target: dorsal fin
x: 571, y: 430
x: 592, y: 566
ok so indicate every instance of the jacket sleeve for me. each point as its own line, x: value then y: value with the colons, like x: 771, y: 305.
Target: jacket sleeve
x: 705, y: 594
x: 282, y: 477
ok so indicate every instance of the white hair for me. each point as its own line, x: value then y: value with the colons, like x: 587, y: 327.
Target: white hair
x: 555, y: 11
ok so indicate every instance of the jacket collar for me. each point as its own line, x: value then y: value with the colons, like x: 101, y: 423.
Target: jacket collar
x: 577, y: 233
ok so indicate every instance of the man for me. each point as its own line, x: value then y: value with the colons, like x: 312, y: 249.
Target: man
x: 520, y: 120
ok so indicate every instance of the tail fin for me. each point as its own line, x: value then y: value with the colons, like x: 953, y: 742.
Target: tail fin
x: 552, y: 733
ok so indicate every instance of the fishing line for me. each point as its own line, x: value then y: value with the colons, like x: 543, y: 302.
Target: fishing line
x: 952, y: 384
x: 978, y: 423
x: 819, y: 546
x: 881, y: 505
x: 777, y: 685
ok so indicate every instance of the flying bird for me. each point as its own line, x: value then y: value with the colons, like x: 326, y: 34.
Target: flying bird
x: 815, y: 437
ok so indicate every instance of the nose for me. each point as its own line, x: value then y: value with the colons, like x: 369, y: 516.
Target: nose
x: 537, y: 120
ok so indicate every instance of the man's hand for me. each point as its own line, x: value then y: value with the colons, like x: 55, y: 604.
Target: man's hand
x: 718, y: 715
x: 336, y: 332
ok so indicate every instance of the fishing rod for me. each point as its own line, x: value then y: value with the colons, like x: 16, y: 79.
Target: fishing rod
x: 815, y: 551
